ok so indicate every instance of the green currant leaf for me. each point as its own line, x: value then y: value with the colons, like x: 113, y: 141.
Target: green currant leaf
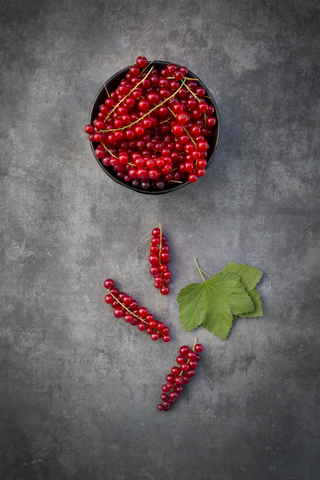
x: 257, y: 312
x: 213, y: 303
x: 250, y: 277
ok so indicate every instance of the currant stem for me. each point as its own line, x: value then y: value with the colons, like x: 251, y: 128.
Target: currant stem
x: 184, y: 128
x: 120, y: 101
x: 108, y: 151
x: 199, y: 270
x: 160, y: 250
x: 145, y: 68
x: 195, y: 342
x: 107, y: 91
x: 205, y: 273
x: 150, y: 111
x: 187, y: 78
x: 195, y: 96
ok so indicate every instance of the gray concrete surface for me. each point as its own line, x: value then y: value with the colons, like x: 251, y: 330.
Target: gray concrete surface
x: 79, y: 388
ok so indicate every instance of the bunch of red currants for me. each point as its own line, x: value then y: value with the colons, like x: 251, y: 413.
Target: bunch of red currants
x: 154, y: 129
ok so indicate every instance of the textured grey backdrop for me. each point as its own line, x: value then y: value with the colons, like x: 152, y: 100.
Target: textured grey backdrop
x: 79, y: 388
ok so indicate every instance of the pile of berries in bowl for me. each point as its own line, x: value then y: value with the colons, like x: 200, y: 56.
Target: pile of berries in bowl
x: 154, y: 127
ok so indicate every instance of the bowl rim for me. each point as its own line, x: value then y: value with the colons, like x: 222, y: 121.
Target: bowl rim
x: 127, y: 185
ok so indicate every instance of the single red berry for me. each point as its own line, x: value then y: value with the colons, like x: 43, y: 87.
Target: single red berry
x: 200, y: 172
x: 178, y: 380
x: 154, y: 259
x: 174, y: 395
x: 171, y: 68
x: 165, y: 290
x: 185, y: 367
x: 127, y: 300
x: 108, y: 299
x: 133, y: 305
x: 180, y: 359
x: 166, y: 406
x: 142, y: 62
x: 152, y: 324
x: 175, y: 370
x: 184, y: 350
x: 114, y: 291
x: 134, y: 71
x: 191, y: 355
x: 183, y: 118
x: 211, y: 121
x: 128, y: 317
x: 154, y: 270
x: 89, y: 129
x: 198, y: 348
x: 143, y: 312
x: 160, y: 407
x: 118, y: 312
x: 193, y: 364
x: 200, y: 92
x: 192, y: 177
x: 160, y: 326
x: 109, y: 283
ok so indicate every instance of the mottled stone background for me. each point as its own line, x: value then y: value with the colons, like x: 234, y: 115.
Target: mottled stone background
x: 79, y: 388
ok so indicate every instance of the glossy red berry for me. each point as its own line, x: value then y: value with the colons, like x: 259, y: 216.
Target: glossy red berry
x: 89, y: 129
x: 192, y: 178
x: 184, y: 350
x: 165, y: 290
x: 109, y: 283
x: 108, y: 299
x: 198, y: 348
x: 118, y: 312
x: 141, y: 62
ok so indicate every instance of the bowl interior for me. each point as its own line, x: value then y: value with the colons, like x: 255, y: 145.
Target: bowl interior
x: 111, y: 85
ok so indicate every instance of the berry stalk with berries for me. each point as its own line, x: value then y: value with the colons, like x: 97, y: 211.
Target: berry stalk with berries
x: 180, y: 375
x: 159, y: 257
x: 125, y: 306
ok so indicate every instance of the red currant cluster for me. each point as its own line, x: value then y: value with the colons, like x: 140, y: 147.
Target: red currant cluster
x: 125, y: 306
x: 180, y: 375
x: 159, y: 257
x: 153, y: 128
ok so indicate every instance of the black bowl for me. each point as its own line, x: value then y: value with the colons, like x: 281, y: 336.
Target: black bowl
x: 111, y: 85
